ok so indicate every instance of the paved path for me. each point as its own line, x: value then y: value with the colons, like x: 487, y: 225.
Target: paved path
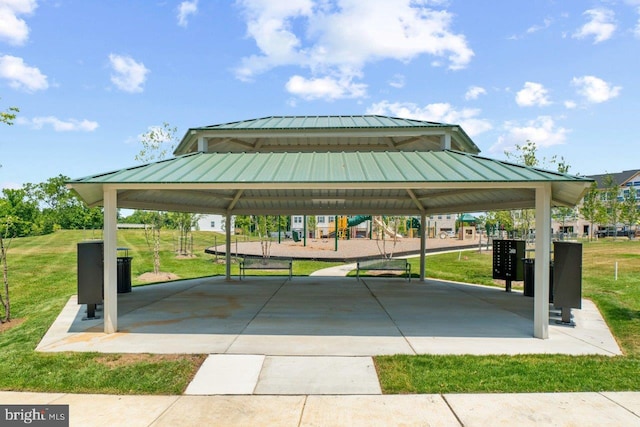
x: 469, y: 410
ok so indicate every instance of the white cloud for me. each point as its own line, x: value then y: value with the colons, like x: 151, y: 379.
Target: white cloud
x: 69, y: 125
x: 546, y: 23
x: 569, y: 104
x: 328, y: 88
x: 13, y: 29
x: 601, y: 25
x: 543, y: 131
x: 20, y: 75
x: 397, y: 81
x: 595, y: 90
x: 128, y: 75
x: 532, y: 94
x: 438, y: 112
x: 185, y: 9
x: 474, y: 92
x: 342, y: 36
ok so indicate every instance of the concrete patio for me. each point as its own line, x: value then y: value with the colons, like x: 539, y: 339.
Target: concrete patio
x: 326, y: 316
x: 317, y: 335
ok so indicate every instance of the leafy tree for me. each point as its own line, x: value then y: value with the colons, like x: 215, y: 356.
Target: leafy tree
x: 157, y: 143
x: 611, y: 202
x: 184, y: 223
x: 527, y: 155
x: 243, y: 222
x: 6, y: 117
x: 563, y: 214
x: 9, y: 115
x: 312, y: 223
x: 592, y: 208
x: 4, y: 294
x: 630, y: 213
x: 21, y: 215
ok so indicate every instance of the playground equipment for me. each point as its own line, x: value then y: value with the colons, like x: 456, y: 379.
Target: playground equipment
x: 385, y: 228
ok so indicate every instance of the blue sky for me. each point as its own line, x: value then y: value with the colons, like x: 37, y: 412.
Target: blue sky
x: 91, y: 76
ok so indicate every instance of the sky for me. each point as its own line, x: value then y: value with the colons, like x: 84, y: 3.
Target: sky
x: 90, y: 77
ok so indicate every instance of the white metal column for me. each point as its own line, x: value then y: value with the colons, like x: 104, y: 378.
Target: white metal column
x: 227, y: 230
x: 543, y: 249
x: 110, y: 260
x: 423, y: 245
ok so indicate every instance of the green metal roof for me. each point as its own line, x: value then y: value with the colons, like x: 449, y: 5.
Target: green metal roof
x: 349, y: 182
x: 325, y: 133
x: 324, y: 122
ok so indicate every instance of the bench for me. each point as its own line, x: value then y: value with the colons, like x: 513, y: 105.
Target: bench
x: 265, y: 264
x: 384, y: 265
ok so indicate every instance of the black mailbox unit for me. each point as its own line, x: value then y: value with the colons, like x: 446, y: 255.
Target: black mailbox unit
x: 507, y: 261
x: 90, y: 275
x: 567, y: 277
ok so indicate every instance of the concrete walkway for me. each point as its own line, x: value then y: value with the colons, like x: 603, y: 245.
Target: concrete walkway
x: 469, y: 410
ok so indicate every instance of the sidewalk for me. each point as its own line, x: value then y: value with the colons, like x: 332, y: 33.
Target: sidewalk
x: 557, y: 409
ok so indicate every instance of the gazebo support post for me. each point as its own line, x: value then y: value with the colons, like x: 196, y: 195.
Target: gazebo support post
x: 542, y: 257
x: 110, y: 261
x: 423, y: 244
x: 227, y: 230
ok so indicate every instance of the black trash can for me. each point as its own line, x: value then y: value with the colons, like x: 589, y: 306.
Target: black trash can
x: 529, y: 278
x: 295, y: 235
x: 529, y: 272
x: 124, y: 274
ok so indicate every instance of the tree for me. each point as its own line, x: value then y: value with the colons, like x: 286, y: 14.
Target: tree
x: 527, y: 155
x: 592, y: 208
x: 184, y: 223
x: 157, y: 142
x: 6, y: 117
x: 9, y: 115
x: 61, y: 207
x: 630, y: 213
x: 611, y: 202
x: 4, y: 294
x: 562, y: 214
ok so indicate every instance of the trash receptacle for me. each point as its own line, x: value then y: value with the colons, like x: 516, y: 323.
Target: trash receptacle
x: 529, y: 278
x: 124, y: 272
x: 529, y: 271
x: 295, y: 235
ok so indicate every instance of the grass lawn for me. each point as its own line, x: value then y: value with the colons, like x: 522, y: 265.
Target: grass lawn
x: 42, y: 273
x: 618, y: 301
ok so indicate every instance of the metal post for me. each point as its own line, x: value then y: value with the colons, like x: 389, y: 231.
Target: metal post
x: 279, y: 229
x: 304, y: 229
x: 336, y: 248
x: 423, y: 245
x: 228, y: 247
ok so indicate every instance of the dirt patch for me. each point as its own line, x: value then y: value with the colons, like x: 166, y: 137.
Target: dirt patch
x: 186, y: 256
x: 119, y: 360
x: 160, y: 277
x: 8, y: 325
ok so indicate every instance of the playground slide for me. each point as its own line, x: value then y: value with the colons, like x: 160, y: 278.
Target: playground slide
x: 386, y: 229
x: 358, y: 219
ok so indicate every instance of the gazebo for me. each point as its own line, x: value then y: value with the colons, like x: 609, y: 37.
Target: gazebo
x: 344, y: 165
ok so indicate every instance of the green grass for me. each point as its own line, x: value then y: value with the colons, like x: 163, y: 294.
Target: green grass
x: 506, y: 374
x: 618, y: 301
x: 42, y: 276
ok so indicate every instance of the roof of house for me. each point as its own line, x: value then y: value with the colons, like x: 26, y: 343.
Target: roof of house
x: 619, y: 177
